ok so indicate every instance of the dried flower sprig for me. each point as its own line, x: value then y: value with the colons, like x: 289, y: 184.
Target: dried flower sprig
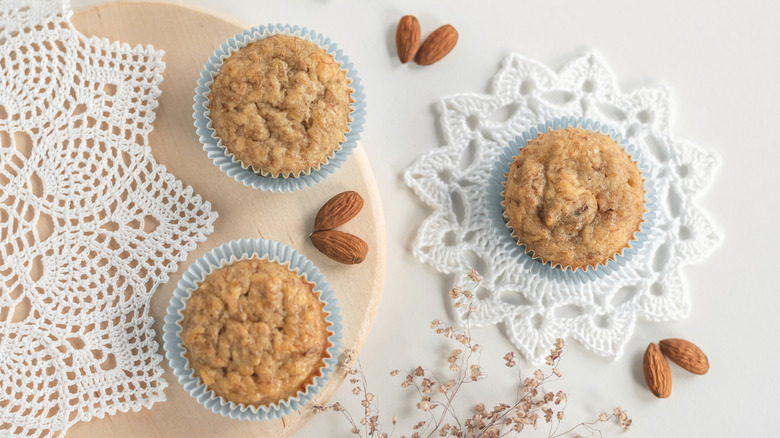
x: 532, y: 408
x: 369, y: 422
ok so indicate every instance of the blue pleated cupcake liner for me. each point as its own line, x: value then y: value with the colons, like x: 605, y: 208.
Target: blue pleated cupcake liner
x: 223, y: 255
x: 233, y: 167
x: 494, y: 204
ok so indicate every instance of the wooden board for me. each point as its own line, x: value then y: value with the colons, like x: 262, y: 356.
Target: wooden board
x: 188, y: 37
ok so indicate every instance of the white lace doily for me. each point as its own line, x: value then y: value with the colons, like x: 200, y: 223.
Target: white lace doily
x: 90, y: 224
x: 452, y: 179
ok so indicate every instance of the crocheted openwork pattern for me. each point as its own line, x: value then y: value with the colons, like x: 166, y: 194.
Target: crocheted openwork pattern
x: 90, y: 224
x: 534, y: 309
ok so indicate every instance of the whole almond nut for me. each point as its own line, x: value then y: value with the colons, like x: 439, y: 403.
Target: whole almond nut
x: 339, y: 210
x: 657, y: 373
x: 407, y: 38
x: 340, y: 246
x: 686, y: 354
x: 438, y: 44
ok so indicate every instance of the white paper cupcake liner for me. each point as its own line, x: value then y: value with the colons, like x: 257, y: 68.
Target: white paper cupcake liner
x: 218, y: 257
x: 226, y: 161
x: 494, y: 201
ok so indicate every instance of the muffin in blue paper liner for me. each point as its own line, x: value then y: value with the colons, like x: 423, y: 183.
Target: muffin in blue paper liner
x: 225, y: 255
x: 496, y: 209
x: 244, y: 173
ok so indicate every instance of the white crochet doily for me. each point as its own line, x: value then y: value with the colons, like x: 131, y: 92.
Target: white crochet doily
x: 536, y: 310
x: 90, y: 224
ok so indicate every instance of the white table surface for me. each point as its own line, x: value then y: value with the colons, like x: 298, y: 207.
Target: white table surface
x: 720, y: 60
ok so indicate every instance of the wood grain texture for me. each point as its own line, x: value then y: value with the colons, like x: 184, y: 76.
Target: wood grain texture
x: 188, y: 36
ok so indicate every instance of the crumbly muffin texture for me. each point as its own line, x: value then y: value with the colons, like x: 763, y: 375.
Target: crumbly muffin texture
x: 573, y: 197
x: 254, y: 332
x: 281, y: 105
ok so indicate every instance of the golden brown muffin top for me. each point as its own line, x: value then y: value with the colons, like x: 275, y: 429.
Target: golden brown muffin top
x: 281, y: 105
x: 573, y: 197
x: 255, y: 332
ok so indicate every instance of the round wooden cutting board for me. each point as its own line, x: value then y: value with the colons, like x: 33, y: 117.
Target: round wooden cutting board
x: 188, y: 36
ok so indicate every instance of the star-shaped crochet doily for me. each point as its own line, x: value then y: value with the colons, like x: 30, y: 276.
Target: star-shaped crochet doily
x: 536, y: 309
x: 90, y: 224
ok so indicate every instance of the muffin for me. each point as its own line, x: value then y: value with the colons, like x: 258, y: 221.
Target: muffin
x: 281, y: 105
x: 574, y: 198
x: 255, y: 332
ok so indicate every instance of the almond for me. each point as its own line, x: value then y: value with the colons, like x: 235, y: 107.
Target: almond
x: 686, y: 354
x: 657, y: 373
x: 339, y: 210
x: 407, y: 38
x: 340, y: 246
x: 438, y: 44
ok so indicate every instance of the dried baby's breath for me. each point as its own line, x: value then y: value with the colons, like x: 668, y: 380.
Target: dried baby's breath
x: 436, y: 396
x: 510, y: 359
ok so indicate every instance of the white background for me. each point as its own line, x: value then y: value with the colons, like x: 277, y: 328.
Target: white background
x: 719, y: 59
